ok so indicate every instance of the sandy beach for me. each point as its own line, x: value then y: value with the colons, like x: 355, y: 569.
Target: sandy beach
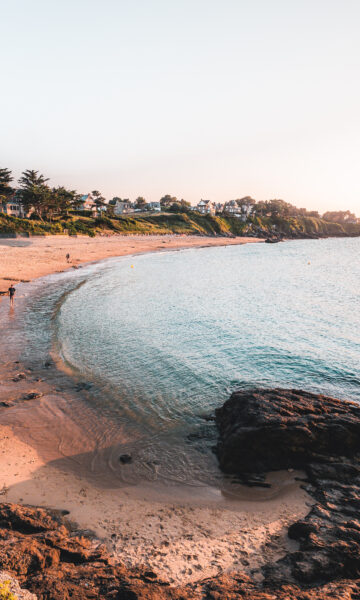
x: 184, y: 535
x: 24, y: 259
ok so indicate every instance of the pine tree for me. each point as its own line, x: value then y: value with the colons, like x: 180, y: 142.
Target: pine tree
x: 34, y: 192
x: 6, y: 191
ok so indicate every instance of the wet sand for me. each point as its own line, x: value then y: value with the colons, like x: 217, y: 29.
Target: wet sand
x: 183, y: 534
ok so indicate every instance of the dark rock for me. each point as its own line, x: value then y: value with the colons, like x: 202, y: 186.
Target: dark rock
x: 33, y: 395
x: 264, y: 430
x: 19, y: 377
x: 83, y: 385
x: 125, y: 459
x: 6, y: 403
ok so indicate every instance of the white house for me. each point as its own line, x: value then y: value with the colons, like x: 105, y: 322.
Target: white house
x: 232, y: 208
x: 241, y: 209
x: 14, y: 207
x: 123, y: 207
x: 154, y: 206
x: 205, y: 207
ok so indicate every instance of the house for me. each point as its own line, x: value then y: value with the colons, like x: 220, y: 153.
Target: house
x: 87, y: 203
x: 14, y: 207
x: 231, y: 208
x: 154, y: 206
x: 219, y: 208
x: 205, y: 207
x: 123, y: 207
x: 242, y: 209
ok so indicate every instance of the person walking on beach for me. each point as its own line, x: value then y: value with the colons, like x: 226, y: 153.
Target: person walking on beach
x: 12, y: 291
x: 68, y: 257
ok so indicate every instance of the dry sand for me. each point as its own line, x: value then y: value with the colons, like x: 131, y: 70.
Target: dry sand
x: 24, y: 259
x: 182, y: 534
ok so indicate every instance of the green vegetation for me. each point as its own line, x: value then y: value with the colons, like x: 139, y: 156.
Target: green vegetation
x: 61, y: 211
x: 191, y: 223
x: 5, y: 592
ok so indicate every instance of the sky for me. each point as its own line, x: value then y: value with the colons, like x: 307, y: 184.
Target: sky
x: 214, y: 99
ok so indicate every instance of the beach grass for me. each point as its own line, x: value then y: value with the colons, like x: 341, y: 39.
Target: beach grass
x: 189, y: 223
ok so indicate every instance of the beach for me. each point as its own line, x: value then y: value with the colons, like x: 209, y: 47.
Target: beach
x: 182, y: 534
x: 24, y: 259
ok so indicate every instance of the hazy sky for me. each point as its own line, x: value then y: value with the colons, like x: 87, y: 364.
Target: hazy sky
x: 200, y: 99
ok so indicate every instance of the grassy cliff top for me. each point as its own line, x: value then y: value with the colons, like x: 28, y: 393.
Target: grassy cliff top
x: 180, y: 223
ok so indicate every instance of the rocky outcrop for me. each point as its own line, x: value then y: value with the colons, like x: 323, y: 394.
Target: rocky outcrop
x: 39, y: 547
x: 264, y: 430
x: 260, y: 430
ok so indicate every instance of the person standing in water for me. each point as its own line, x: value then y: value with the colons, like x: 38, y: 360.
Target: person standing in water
x: 12, y: 291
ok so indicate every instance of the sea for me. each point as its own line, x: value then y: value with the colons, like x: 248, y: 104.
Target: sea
x: 154, y: 343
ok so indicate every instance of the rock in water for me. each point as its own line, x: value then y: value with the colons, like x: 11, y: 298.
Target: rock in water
x: 125, y: 459
x: 265, y: 430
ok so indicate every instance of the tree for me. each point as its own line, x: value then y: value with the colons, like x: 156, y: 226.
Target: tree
x: 340, y: 216
x: 246, y: 201
x: 98, y: 199
x: 180, y: 206
x: 140, y: 203
x: 62, y: 200
x: 167, y: 201
x: 6, y: 191
x: 34, y: 192
x: 278, y: 208
x: 261, y: 208
x: 114, y: 200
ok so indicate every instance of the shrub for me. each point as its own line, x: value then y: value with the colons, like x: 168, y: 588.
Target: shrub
x: 5, y: 592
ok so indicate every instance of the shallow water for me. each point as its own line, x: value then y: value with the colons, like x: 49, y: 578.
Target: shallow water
x: 156, y: 342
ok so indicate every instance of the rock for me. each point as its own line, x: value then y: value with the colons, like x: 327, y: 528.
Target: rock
x: 264, y: 430
x: 318, y: 434
x: 19, y: 377
x: 39, y: 548
x: 125, y: 459
x: 33, y: 395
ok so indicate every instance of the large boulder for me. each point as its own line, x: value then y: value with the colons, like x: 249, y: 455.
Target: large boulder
x: 264, y: 430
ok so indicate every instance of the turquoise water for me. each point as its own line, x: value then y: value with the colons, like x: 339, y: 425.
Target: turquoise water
x: 153, y: 343
x: 162, y: 339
